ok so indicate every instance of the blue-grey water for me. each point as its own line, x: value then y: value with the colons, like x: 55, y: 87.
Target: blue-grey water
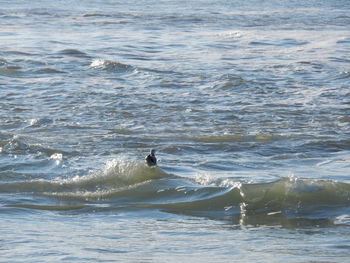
x: 246, y: 102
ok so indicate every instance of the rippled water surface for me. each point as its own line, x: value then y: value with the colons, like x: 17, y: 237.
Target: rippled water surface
x: 246, y: 102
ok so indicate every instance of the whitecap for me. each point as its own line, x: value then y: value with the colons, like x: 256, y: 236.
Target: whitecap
x: 208, y: 180
x: 36, y: 122
x: 342, y: 220
x: 110, y: 65
x: 56, y: 156
x: 96, y: 63
x: 230, y: 34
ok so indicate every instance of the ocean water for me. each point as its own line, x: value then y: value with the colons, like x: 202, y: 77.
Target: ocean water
x: 246, y: 102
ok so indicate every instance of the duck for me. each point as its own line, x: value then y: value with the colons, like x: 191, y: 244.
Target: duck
x: 151, y: 158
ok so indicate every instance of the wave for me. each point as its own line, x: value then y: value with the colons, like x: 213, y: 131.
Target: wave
x: 120, y: 176
x: 3, y: 61
x: 49, y: 71
x: 305, y: 143
x: 125, y: 184
x: 110, y: 65
x: 73, y: 53
x: 287, y: 42
x: 14, y: 71
x: 294, y: 193
x: 11, y: 71
x: 48, y: 207
x: 287, y: 203
x: 327, y: 145
x: 115, y: 176
x: 96, y: 15
x: 19, y: 52
x: 26, y: 67
x: 19, y: 145
x: 287, y: 193
x: 226, y: 138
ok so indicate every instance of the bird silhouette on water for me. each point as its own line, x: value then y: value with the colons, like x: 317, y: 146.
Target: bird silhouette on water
x: 151, y: 158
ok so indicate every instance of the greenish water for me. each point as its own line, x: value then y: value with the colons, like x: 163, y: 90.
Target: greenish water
x: 246, y: 103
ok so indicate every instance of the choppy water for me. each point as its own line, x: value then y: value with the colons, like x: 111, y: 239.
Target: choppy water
x: 246, y: 102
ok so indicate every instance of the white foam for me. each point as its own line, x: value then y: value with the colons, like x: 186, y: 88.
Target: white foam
x: 323, y: 163
x: 230, y: 34
x: 208, y: 180
x: 342, y: 220
x: 33, y: 122
x: 56, y: 156
x: 97, y: 63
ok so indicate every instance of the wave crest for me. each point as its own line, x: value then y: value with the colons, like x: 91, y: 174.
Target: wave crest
x: 116, y: 175
x: 124, y: 183
x: 295, y: 195
x: 110, y: 65
x: 121, y: 172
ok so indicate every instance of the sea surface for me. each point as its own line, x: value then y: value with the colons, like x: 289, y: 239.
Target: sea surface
x: 247, y: 104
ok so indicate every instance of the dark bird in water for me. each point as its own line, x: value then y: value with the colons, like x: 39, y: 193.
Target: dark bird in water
x: 151, y: 159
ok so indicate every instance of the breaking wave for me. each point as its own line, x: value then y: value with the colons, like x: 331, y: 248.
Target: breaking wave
x: 116, y: 175
x: 125, y: 184
x: 110, y: 65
